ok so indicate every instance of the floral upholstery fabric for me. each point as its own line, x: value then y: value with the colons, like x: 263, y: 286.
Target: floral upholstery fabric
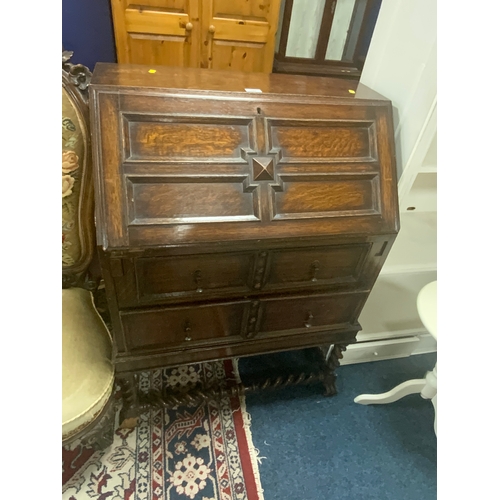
x: 73, y: 154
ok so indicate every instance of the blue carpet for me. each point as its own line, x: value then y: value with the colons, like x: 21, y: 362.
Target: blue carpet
x: 319, y: 448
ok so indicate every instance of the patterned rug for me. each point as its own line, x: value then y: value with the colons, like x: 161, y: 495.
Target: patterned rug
x: 197, y: 453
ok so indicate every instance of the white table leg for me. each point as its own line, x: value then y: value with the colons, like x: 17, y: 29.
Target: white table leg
x: 427, y: 387
x: 400, y: 391
x: 430, y: 392
x: 435, y: 404
x: 430, y: 389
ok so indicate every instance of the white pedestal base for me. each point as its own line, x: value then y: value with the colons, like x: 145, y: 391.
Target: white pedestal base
x: 427, y: 387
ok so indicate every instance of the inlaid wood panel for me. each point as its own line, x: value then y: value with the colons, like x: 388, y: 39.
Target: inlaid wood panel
x: 340, y: 142
x: 304, y: 196
x: 330, y: 140
x: 181, y: 138
x: 170, y: 200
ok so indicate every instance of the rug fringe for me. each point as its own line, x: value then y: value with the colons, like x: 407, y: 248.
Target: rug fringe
x: 247, y: 423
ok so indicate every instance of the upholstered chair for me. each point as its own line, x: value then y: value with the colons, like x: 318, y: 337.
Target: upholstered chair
x: 88, y: 374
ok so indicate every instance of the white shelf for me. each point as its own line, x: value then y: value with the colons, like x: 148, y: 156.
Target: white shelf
x: 423, y: 159
x: 428, y: 169
x: 415, y: 248
x: 422, y: 196
x: 430, y: 160
x: 392, y: 306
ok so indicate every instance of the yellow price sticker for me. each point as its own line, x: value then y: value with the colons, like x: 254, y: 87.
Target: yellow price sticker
x: 352, y: 91
x: 154, y: 71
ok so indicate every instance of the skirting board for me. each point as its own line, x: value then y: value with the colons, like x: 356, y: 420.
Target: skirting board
x: 389, y: 348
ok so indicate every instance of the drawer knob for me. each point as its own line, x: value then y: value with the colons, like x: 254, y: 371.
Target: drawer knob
x: 307, y: 323
x: 314, y: 270
x: 211, y: 28
x: 197, y: 280
x: 189, y: 26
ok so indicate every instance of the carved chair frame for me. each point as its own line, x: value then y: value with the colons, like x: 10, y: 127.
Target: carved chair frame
x: 75, y: 81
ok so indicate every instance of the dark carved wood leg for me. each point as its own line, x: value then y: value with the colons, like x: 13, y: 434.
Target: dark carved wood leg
x: 102, y: 435
x: 99, y: 434
x: 332, y: 357
x: 134, y: 403
x: 132, y: 408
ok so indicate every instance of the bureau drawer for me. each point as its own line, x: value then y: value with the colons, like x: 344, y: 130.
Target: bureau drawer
x: 316, y: 266
x: 176, y: 326
x: 309, y: 312
x: 193, y: 275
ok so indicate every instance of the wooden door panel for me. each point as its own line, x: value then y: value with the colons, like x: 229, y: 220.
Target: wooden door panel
x: 238, y: 57
x: 172, y: 5
x: 239, y: 35
x: 242, y: 8
x: 150, y: 49
x: 162, y: 32
x: 155, y: 21
x: 242, y: 31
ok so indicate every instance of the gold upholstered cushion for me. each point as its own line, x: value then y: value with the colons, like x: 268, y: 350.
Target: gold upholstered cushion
x: 88, y: 373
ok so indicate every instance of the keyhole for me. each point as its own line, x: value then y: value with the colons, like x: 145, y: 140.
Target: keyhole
x: 259, y: 111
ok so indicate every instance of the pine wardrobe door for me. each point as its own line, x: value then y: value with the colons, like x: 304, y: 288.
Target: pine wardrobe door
x: 239, y: 35
x: 157, y: 32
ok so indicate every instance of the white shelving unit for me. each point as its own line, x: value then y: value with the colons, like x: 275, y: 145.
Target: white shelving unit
x: 418, y: 182
x: 401, y: 65
x: 416, y: 245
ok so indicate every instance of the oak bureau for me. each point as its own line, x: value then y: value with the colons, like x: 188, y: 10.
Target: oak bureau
x: 237, y: 213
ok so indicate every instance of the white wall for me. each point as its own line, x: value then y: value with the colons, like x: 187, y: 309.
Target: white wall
x: 401, y: 64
